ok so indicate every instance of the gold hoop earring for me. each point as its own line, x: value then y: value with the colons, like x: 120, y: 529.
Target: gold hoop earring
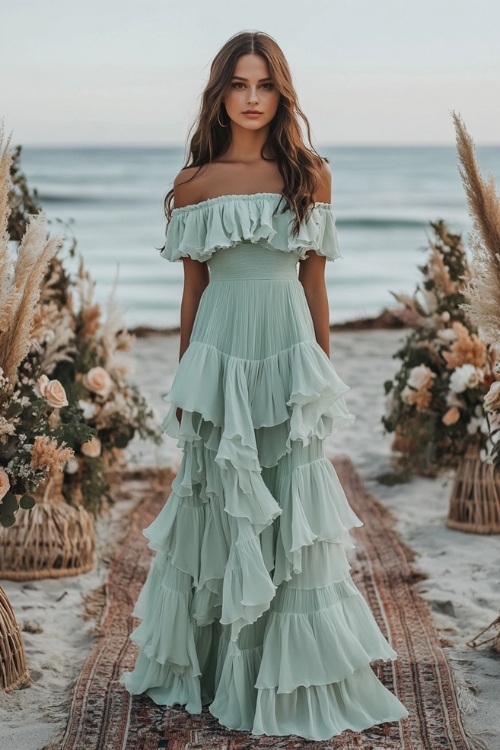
x: 220, y: 123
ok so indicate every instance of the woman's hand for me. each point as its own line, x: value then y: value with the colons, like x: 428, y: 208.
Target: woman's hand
x: 178, y: 414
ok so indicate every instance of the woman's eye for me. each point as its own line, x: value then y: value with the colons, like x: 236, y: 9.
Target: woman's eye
x: 239, y: 83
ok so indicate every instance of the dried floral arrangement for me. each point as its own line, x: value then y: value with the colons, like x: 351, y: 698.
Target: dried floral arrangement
x: 85, y: 354
x: 73, y: 349
x: 37, y: 424
x: 482, y: 292
x: 435, y: 402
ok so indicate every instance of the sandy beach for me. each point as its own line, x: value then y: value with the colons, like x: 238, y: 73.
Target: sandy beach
x: 463, y: 570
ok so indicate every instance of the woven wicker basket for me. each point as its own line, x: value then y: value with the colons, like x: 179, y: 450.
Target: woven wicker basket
x: 475, y: 497
x: 14, y: 672
x: 52, y: 540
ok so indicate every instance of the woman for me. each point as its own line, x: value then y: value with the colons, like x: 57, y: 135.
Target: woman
x: 249, y: 606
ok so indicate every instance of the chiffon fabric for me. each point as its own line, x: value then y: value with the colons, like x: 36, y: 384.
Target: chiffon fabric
x: 249, y: 606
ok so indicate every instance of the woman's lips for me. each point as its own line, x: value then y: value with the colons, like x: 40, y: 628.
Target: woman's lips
x: 252, y: 114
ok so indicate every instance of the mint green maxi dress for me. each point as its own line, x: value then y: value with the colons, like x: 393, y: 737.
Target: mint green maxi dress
x: 249, y: 606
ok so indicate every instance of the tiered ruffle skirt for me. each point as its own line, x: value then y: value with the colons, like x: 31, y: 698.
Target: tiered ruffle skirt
x: 249, y: 606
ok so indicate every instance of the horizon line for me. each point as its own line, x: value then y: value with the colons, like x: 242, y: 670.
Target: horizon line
x: 361, y: 144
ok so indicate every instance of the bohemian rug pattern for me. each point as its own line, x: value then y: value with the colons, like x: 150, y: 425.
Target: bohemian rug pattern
x: 103, y: 716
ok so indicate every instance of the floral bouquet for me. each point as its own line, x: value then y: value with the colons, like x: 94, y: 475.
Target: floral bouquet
x: 37, y: 426
x: 109, y: 403
x: 37, y: 423
x: 435, y: 402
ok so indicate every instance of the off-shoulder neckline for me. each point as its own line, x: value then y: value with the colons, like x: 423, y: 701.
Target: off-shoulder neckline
x: 234, y: 196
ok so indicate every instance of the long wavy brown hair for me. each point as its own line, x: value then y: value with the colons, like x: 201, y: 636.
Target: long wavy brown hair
x: 299, y: 165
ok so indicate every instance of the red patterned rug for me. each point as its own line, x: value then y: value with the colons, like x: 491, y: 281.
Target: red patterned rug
x: 103, y: 716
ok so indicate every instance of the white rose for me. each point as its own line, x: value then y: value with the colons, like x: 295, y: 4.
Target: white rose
x: 448, y: 335
x: 92, y: 448
x: 39, y: 386
x: 4, y: 483
x: 71, y: 466
x: 419, y: 377
x: 89, y: 409
x: 98, y: 380
x: 55, y: 394
x: 465, y: 376
x: 474, y: 425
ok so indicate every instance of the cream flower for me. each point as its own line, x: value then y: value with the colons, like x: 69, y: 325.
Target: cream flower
x: 465, y: 376
x: 4, y: 483
x: 420, y: 377
x: 406, y: 393
x: 447, y: 334
x: 71, y: 466
x: 478, y: 423
x: 89, y: 409
x: 92, y: 448
x: 40, y: 385
x: 98, y: 381
x: 55, y: 394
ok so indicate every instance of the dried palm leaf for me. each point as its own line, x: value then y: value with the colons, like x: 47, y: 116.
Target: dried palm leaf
x: 114, y: 334
x: 440, y: 272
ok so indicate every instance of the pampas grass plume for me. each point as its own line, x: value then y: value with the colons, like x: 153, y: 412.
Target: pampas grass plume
x: 482, y: 291
x: 20, y: 290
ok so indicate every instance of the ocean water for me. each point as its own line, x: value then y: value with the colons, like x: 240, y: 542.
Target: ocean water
x: 384, y: 199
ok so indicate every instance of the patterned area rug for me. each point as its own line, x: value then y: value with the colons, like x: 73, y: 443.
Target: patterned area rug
x: 103, y: 716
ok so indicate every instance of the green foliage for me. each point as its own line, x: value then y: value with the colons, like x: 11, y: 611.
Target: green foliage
x: 23, y: 201
x: 27, y: 502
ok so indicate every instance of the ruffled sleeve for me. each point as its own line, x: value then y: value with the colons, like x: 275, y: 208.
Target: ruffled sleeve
x: 199, y: 230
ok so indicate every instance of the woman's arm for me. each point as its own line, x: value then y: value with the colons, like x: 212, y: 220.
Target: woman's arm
x: 196, y: 278
x: 196, y: 274
x: 312, y: 275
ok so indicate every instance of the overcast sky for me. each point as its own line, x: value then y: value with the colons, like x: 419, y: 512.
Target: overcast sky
x: 132, y: 71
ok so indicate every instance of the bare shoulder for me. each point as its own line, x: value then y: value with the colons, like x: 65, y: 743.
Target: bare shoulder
x: 188, y: 186
x: 323, y: 192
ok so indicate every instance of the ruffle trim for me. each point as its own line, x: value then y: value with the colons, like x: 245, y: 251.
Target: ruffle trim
x: 296, y: 390
x: 197, y: 231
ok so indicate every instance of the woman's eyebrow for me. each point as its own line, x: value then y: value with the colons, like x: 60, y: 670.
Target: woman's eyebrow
x: 261, y: 80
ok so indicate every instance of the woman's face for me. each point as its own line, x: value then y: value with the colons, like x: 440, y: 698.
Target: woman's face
x: 251, y: 89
